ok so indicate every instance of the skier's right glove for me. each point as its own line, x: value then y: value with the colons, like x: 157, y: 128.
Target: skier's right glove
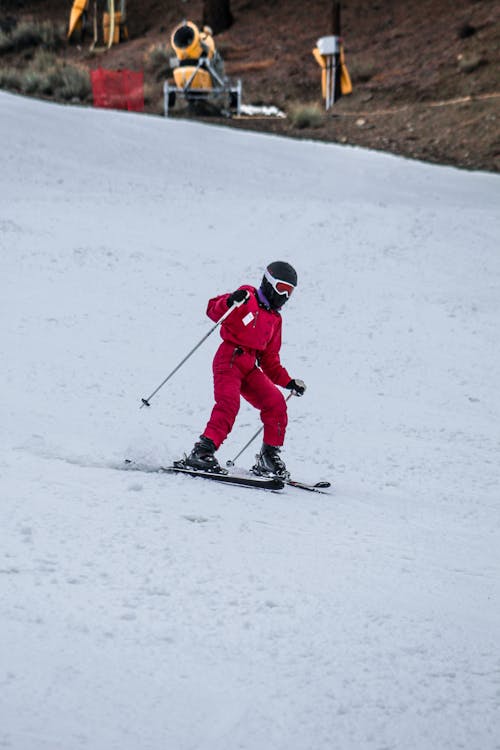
x: 298, y: 387
x: 238, y: 297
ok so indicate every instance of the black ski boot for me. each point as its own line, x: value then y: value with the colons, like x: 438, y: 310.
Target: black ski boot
x: 269, y: 462
x: 202, y: 457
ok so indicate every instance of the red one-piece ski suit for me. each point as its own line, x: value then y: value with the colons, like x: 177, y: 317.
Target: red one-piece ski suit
x: 247, y: 363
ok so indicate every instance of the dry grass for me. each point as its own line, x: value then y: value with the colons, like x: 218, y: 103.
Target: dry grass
x: 30, y: 34
x: 229, y: 50
x: 157, y: 61
x: 10, y: 79
x: 72, y: 83
x: 362, y: 70
x: 153, y: 97
x: 237, y: 68
x: 47, y: 75
x: 468, y: 63
x: 306, y: 116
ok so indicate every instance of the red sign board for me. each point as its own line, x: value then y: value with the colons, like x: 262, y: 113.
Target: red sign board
x: 118, y: 89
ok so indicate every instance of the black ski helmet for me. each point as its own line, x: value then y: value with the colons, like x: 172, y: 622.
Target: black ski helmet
x: 278, y: 283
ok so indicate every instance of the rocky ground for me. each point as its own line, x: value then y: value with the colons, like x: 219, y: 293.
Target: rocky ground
x: 426, y: 76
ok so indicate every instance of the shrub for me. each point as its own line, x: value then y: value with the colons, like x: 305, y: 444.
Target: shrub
x: 47, y: 76
x: 306, y: 116
x: 43, y: 60
x: 74, y: 83
x: 52, y: 36
x: 31, y: 83
x: 5, y: 42
x: 471, y: 62
x: 29, y: 34
x: 10, y: 79
x: 153, y: 98
x: 157, y: 61
x: 362, y: 71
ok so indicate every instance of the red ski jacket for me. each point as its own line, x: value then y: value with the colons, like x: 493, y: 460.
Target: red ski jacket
x: 255, y: 329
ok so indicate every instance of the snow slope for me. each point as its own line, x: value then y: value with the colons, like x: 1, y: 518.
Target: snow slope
x: 153, y: 612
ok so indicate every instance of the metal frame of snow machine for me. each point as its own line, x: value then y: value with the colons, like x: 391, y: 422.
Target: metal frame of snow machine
x: 228, y: 95
x: 198, y: 73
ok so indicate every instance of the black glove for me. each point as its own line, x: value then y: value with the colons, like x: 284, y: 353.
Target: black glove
x: 239, y: 296
x: 298, y: 387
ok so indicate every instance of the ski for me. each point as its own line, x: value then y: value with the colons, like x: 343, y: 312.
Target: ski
x: 264, y: 483
x: 178, y: 467
x: 320, y: 487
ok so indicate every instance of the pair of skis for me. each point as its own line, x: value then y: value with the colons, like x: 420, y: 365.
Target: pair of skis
x: 264, y: 483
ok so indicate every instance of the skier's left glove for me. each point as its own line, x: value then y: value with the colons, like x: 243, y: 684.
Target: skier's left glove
x: 298, y: 387
x: 238, y: 297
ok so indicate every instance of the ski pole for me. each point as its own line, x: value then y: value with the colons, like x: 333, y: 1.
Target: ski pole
x: 231, y: 463
x: 145, y: 401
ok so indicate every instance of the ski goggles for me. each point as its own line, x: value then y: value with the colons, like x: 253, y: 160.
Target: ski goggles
x: 281, y: 287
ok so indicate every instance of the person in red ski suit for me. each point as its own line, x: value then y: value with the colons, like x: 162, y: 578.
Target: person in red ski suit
x: 247, y: 363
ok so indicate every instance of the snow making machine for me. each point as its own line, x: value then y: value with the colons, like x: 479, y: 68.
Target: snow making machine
x: 114, y: 23
x: 198, y: 72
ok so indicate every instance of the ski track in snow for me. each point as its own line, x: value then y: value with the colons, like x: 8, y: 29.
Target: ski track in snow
x: 147, y: 611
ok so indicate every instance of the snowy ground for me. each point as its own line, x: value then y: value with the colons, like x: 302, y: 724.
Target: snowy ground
x: 147, y: 612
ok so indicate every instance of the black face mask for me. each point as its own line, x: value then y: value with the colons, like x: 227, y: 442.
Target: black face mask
x: 275, y: 300
x: 262, y: 299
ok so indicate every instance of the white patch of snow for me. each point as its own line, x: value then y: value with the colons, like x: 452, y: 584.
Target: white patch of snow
x: 147, y: 611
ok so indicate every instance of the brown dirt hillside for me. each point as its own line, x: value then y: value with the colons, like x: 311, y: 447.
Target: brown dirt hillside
x: 426, y: 75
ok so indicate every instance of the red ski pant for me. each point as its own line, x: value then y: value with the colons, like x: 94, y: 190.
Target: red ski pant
x: 236, y: 373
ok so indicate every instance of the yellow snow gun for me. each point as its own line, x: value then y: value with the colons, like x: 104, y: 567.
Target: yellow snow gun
x: 198, y: 71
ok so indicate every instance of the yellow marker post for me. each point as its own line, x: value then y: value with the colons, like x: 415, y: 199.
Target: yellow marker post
x: 335, y: 79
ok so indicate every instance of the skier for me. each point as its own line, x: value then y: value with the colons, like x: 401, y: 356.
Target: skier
x: 247, y: 363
